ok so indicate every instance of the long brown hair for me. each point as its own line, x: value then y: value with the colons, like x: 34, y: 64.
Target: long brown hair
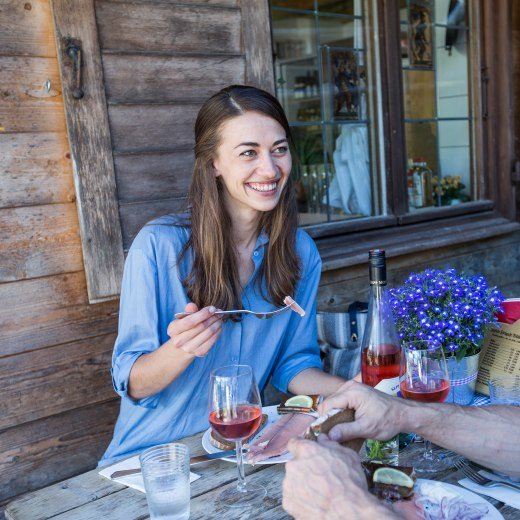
x: 214, y: 277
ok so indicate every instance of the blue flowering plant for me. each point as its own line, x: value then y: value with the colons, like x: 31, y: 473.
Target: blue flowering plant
x: 453, y: 309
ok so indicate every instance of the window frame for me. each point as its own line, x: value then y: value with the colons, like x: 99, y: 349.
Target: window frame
x: 492, y: 135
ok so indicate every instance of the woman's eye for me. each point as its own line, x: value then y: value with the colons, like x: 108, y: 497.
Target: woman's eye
x: 281, y: 149
x: 249, y: 153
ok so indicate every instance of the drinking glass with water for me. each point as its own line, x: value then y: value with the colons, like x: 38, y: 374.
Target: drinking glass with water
x: 166, y: 475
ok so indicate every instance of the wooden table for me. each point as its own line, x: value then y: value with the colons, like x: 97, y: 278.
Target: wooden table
x: 91, y: 496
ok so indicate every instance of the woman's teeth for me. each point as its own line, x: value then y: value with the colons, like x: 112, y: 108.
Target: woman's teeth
x: 263, y: 187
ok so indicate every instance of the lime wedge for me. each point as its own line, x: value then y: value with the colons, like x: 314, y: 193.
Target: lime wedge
x: 392, y: 476
x: 300, y: 400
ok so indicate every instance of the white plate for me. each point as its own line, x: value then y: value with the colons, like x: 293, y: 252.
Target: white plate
x: 468, y: 496
x: 272, y: 417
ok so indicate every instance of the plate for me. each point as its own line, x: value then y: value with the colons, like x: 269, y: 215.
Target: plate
x: 467, y: 495
x: 272, y: 417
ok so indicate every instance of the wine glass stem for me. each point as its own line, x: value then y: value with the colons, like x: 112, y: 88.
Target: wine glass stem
x: 428, y: 452
x: 241, y: 484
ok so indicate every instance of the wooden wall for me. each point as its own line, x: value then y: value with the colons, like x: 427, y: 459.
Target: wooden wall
x: 515, y: 45
x: 160, y: 60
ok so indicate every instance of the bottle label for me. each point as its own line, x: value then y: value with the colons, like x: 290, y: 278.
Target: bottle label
x: 388, y: 386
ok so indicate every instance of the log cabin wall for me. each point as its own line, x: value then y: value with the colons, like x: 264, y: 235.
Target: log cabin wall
x: 160, y: 60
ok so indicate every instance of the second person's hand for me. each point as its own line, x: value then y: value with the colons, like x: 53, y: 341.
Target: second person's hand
x: 197, y: 333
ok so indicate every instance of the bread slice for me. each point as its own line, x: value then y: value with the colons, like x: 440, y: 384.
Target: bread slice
x: 325, y: 423
x: 388, y: 491
x: 223, y: 444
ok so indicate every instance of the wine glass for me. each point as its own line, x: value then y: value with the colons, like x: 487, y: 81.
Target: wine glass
x: 235, y: 412
x: 423, y: 377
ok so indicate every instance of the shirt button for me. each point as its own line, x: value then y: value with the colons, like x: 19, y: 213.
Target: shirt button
x: 255, y: 253
x: 234, y: 359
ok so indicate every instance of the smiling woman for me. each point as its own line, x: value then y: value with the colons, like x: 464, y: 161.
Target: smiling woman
x: 236, y: 246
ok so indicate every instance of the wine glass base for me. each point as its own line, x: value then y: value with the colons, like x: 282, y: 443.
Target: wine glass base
x: 251, y: 496
x: 439, y: 461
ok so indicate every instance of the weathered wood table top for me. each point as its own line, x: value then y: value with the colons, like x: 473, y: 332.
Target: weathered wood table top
x: 91, y: 496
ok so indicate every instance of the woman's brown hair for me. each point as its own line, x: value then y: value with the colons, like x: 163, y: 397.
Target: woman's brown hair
x: 214, y: 277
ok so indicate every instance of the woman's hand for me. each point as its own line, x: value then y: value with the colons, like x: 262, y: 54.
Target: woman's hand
x: 197, y: 333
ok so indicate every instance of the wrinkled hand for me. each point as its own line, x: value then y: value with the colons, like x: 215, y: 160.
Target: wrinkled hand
x: 197, y: 333
x: 326, y: 481
x: 376, y: 414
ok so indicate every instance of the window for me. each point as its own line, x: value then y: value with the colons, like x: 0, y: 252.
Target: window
x: 384, y: 100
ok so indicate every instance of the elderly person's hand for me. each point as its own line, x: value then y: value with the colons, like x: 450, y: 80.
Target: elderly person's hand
x: 326, y: 481
x: 197, y: 333
x: 377, y: 415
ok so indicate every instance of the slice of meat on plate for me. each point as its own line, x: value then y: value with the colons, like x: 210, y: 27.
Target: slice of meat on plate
x: 273, y: 442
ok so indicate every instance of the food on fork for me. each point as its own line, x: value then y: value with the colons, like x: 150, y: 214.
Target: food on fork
x: 222, y: 444
x: 325, y: 423
x: 294, y: 306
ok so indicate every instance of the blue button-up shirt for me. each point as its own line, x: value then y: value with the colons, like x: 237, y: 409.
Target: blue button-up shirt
x: 152, y: 292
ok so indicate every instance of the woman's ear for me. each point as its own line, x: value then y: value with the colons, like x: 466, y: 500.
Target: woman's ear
x: 216, y: 173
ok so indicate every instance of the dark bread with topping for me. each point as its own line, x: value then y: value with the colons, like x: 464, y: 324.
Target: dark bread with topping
x: 388, y: 491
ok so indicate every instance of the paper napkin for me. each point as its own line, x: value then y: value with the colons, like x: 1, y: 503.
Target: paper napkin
x: 504, y: 494
x: 133, y: 481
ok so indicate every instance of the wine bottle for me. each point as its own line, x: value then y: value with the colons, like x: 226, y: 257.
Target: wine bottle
x: 380, y: 350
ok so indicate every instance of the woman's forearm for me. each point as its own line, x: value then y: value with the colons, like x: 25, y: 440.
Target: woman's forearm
x: 487, y: 435
x: 314, y: 381
x: 153, y: 372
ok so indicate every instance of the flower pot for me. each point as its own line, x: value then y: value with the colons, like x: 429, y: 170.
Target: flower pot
x: 463, y: 376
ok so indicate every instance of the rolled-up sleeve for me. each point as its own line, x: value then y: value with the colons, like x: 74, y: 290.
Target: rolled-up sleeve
x: 138, y: 322
x: 301, y: 349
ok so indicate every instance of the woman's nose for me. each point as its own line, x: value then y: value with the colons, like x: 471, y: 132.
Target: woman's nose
x: 268, y: 165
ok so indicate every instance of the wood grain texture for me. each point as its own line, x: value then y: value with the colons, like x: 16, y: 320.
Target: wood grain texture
x: 26, y: 104
x: 49, y: 311
x: 54, y: 448
x: 221, y: 3
x: 153, y: 176
x: 91, y: 149
x: 168, y: 78
x: 135, y: 216
x: 36, y: 169
x: 256, y: 37
x: 26, y: 28
x: 56, y: 379
x: 158, y: 27
x: 153, y: 128
x: 39, y: 241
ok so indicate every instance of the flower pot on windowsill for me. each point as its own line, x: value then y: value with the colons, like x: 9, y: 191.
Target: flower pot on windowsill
x: 463, y: 376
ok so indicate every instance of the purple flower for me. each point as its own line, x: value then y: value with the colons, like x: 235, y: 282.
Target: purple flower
x: 454, y: 309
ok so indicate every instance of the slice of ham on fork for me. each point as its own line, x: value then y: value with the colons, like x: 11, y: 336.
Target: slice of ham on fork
x: 274, y: 440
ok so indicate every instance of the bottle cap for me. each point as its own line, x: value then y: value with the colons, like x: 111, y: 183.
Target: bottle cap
x: 377, y: 266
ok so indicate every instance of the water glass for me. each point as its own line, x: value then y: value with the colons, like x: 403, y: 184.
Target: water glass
x: 504, y: 390
x: 166, y: 475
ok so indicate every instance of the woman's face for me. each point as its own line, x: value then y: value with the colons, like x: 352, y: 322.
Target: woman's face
x: 253, y: 161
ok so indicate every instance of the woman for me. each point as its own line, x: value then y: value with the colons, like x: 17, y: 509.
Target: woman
x: 238, y: 247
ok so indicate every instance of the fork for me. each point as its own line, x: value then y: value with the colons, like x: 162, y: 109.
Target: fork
x: 290, y: 304
x: 479, y: 479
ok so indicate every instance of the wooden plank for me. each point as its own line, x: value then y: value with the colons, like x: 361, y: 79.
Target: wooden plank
x: 221, y: 3
x: 168, y: 78
x: 153, y: 128
x: 135, y: 216
x: 35, y: 169
x: 48, y: 311
x: 39, y: 241
x: 153, y: 176
x: 168, y: 28
x: 54, y: 448
x: 48, y: 381
x: 27, y: 105
x: 91, y: 148
x: 256, y: 37
x: 26, y: 29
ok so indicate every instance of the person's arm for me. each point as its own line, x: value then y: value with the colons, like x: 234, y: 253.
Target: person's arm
x: 325, y: 480
x: 315, y: 381
x: 487, y: 435
x: 190, y: 337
